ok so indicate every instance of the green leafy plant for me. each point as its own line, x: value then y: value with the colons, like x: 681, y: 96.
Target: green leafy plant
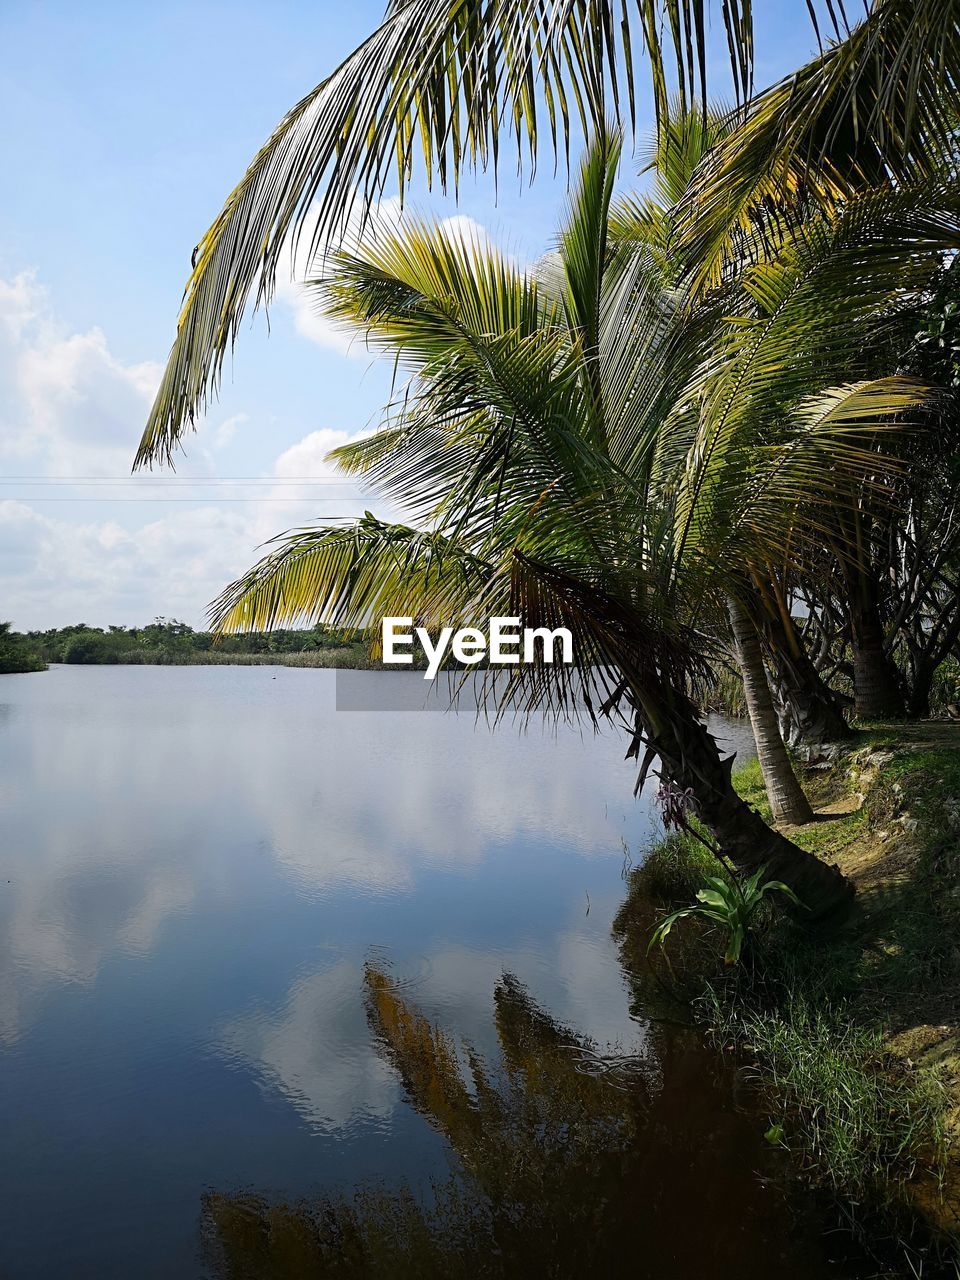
x: 730, y: 905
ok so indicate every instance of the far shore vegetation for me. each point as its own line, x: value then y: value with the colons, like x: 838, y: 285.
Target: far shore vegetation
x: 17, y: 653
x: 167, y: 642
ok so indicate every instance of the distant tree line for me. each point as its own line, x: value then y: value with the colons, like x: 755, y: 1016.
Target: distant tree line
x: 161, y: 641
x: 16, y: 653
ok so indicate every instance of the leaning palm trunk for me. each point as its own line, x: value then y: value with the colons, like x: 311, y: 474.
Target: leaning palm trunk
x: 787, y: 801
x: 691, y: 760
x: 610, y: 638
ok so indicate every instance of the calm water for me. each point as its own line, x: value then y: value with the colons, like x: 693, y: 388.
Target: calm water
x: 252, y: 953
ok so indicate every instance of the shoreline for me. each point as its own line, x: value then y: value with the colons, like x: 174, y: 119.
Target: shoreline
x: 852, y: 1041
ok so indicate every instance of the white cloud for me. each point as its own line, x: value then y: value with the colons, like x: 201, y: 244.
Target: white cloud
x: 69, y: 406
x: 223, y: 434
x: 307, y: 459
x: 20, y: 302
x: 308, y: 317
x: 56, y: 571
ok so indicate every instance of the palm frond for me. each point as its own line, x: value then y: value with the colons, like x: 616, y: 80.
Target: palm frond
x: 685, y: 133
x: 496, y: 403
x: 836, y: 446
x: 881, y: 104
x: 582, y: 246
x: 351, y: 575
x: 448, y: 82
x: 802, y: 322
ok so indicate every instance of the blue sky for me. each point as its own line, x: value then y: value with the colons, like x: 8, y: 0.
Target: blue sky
x: 127, y: 124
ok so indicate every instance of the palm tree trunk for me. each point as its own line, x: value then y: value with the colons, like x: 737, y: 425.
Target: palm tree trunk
x: 918, y: 704
x: 691, y: 760
x: 787, y: 800
x: 809, y: 711
x: 876, y: 689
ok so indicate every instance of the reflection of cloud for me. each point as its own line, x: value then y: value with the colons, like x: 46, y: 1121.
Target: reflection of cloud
x: 166, y: 894
x: 576, y: 975
x: 132, y: 793
x: 446, y: 790
x: 66, y: 919
x: 317, y: 1050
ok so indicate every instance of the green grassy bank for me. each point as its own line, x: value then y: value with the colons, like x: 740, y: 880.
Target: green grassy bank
x: 852, y: 1041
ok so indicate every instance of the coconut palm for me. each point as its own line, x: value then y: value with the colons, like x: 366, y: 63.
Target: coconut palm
x: 454, y: 84
x: 788, y: 802
x: 877, y: 109
x: 809, y: 710
x: 821, y: 349
x: 578, y: 449
x: 889, y: 613
x: 649, y: 223
x: 451, y: 84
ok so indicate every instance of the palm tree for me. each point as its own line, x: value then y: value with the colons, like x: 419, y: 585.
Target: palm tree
x: 875, y: 111
x: 584, y: 451
x: 453, y: 83
x: 788, y: 803
x: 450, y: 83
x: 818, y: 347
x: 677, y: 150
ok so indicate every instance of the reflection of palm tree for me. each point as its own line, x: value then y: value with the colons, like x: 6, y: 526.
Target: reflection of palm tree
x: 524, y: 1129
x: 560, y: 1174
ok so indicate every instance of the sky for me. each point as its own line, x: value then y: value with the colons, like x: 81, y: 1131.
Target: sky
x: 127, y: 125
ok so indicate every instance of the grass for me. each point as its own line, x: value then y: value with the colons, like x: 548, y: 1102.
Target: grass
x: 852, y: 1042
x: 675, y: 868
x: 859, y: 1121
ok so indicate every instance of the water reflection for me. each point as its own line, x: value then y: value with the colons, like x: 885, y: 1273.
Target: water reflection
x: 128, y: 792
x: 197, y: 865
x: 560, y: 1173
x: 314, y: 1051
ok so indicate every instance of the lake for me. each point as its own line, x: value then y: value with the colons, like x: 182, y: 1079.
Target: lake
x: 270, y: 970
